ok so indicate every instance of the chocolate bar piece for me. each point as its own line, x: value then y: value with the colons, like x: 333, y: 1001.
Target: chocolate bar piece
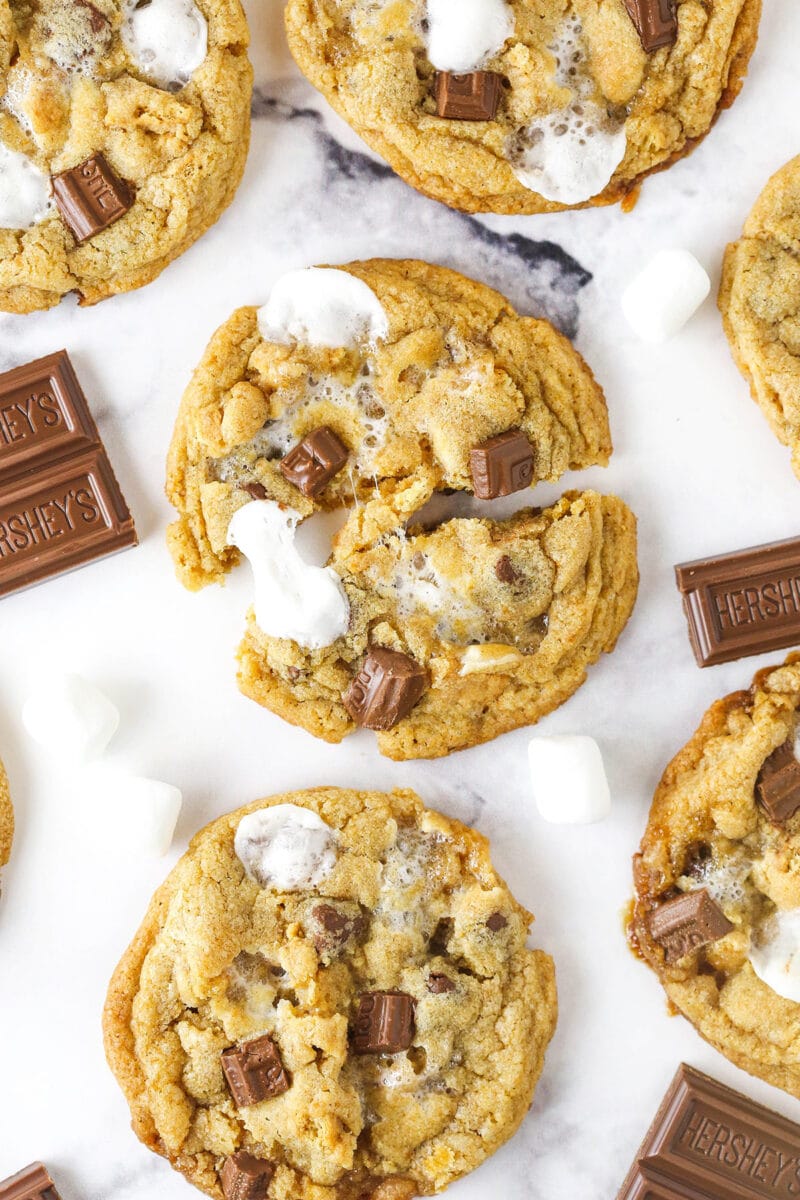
x: 254, y: 1071
x: 384, y: 1024
x: 314, y: 461
x: 708, y: 1142
x: 743, y: 603
x: 778, y: 784
x: 656, y: 22
x: 244, y: 1177
x: 60, y: 504
x: 686, y: 923
x: 502, y: 465
x: 385, y: 690
x: 471, y: 97
x: 32, y: 1183
x: 90, y: 197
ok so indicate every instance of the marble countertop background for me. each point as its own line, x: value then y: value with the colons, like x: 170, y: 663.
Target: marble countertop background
x: 694, y: 459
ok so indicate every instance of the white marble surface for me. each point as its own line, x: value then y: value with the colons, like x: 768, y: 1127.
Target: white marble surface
x: 695, y: 460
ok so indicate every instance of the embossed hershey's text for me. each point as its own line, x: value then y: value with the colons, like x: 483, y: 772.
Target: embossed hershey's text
x: 28, y: 417
x: 741, y: 1153
x: 775, y: 599
x: 66, y: 515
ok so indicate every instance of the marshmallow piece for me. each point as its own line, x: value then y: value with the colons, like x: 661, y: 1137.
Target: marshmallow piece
x: 462, y: 35
x: 24, y: 191
x: 142, y: 812
x: 167, y: 40
x: 665, y: 294
x: 321, y: 306
x: 776, y: 961
x: 293, y: 600
x: 569, y: 780
x: 70, y: 717
x: 571, y: 155
x: 285, y: 847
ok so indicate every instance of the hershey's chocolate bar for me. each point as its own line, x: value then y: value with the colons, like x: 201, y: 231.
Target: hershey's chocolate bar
x: 32, y: 1183
x: 747, y: 602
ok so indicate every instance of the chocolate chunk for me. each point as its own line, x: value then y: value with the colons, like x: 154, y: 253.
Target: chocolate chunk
x: 778, y: 784
x: 743, y: 603
x: 32, y: 1183
x: 496, y: 922
x: 502, y: 465
x: 384, y: 1024
x: 332, y: 928
x: 708, y: 1142
x: 255, y: 490
x: 686, y: 923
x: 504, y: 570
x: 314, y: 461
x: 439, y: 983
x: 696, y: 856
x: 244, y: 1177
x: 254, y: 1071
x: 60, y: 504
x: 90, y: 197
x: 471, y: 97
x: 656, y: 22
x: 385, y: 690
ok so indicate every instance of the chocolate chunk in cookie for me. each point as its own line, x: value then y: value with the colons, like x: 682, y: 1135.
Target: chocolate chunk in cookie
x: 384, y: 1024
x: 244, y: 1177
x: 254, y: 1071
x: 474, y: 96
x: 314, y: 461
x: 90, y: 197
x: 501, y: 465
x: 385, y: 690
x: 332, y: 927
x: 687, y: 922
x: 778, y: 784
x: 439, y: 983
x: 255, y: 490
x: 656, y: 22
x: 496, y: 922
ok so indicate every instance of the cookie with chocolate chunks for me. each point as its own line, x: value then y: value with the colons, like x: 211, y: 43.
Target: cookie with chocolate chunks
x: 717, y: 897
x: 295, y: 942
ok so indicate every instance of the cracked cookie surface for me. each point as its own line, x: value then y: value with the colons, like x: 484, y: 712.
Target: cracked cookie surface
x: 710, y: 831
x: 70, y: 90
x: 370, y: 62
x: 504, y: 615
x: 419, y: 910
x: 760, y: 304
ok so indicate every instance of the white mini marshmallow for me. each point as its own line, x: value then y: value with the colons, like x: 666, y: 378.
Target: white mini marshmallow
x: 286, y: 847
x: 569, y: 780
x: 572, y: 155
x: 71, y: 717
x: 462, y: 35
x: 665, y: 294
x: 321, y: 306
x: 24, y: 191
x: 776, y: 961
x: 167, y: 39
x: 293, y: 600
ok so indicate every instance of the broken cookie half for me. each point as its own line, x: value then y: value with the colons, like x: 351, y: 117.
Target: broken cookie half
x: 377, y: 390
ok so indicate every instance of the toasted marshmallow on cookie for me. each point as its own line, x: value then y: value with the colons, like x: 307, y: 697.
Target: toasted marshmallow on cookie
x: 321, y: 306
x: 286, y: 847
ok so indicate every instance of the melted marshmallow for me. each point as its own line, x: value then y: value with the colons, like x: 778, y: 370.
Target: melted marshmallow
x: 24, y: 191
x: 292, y: 598
x: 321, y: 306
x: 776, y: 960
x: 462, y: 35
x: 285, y: 847
x: 167, y: 39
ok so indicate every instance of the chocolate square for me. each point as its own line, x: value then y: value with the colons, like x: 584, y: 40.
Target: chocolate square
x: 474, y: 96
x: 778, y: 784
x: 501, y: 465
x: 385, y: 690
x: 686, y: 923
x: 384, y: 1024
x: 314, y: 461
x: 244, y: 1177
x: 656, y: 22
x: 31, y: 1183
x: 254, y: 1071
x: 90, y: 197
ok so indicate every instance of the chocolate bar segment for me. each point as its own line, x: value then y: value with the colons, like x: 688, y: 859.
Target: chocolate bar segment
x: 747, y: 602
x: 656, y: 22
x: 471, y: 97
x: 708, y: 1142
x: 43, y: 413
x: 778, y: 784
x: 686, y: 923
x: 501, y: 465
x: 90, y: 197
x: 384, y: 1024
x: 32, y: 1183
x: 245, y: 1177
x: 254, y: 1071
x: 385, y: 690
x: 314, y: 461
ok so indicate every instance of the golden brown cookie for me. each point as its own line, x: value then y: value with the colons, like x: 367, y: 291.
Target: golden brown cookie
x: 498, y: 618
x: 760, y: 304
x: 718, y: 878
x: 583, y: 112
x: 336, y: 984
x: 124, y: 130
x: 6, y: 819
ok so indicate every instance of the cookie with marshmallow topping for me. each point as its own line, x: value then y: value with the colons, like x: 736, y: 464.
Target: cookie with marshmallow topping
x: 124, y: 127
x: 280, y: 930
x: 371, y: 390
x: 509, y: 107
x: 717, y: 904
